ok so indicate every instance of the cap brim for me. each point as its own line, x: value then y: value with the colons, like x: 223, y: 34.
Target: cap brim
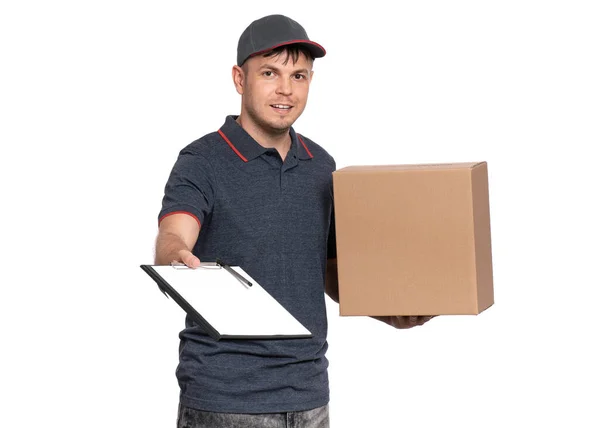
x: 315, y: 49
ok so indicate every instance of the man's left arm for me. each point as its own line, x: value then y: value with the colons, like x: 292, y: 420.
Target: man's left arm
x: 333, y: 291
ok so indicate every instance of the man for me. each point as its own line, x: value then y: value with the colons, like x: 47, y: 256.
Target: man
x: 259, y: 195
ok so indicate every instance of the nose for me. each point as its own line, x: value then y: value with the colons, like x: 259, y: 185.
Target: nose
x: 284, y: 87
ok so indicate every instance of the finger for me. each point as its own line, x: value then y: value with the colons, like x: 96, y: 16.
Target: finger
x: 193, y: 262
x: 190, y: 260
x: 399, y: 321
x: 423, y: 319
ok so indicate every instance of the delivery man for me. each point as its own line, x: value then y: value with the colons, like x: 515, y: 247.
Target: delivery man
x: 257, y: 194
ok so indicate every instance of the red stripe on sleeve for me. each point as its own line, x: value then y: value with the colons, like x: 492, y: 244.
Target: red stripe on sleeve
x: 180, y: 212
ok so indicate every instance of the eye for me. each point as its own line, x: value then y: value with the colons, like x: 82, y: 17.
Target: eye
x: 267, y: 73
x: 299, y: 76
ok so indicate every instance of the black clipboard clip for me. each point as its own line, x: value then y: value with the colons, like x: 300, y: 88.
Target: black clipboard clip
x: 237, y: 276
x: 219, y: 264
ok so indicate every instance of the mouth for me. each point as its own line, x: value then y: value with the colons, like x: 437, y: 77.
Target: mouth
x: 281, y: 108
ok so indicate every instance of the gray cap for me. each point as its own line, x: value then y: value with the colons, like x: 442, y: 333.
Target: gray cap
x: 271, y: 32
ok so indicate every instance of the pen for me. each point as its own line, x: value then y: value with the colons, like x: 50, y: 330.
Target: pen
x: 234, y: 273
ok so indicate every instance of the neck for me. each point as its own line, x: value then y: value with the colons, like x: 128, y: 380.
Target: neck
x: 279, y: 140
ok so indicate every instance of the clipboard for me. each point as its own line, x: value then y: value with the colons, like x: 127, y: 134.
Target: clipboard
x: 225, y: 302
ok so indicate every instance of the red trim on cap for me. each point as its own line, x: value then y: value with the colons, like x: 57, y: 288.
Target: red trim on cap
x: 291, y: 42
x: 305, y: 148
x: 180, y: 212
x: 232, y: 146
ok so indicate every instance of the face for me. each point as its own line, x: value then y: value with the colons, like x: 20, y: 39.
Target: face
x: 274, y: 94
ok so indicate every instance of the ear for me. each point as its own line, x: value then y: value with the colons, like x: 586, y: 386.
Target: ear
x: 238, y: 79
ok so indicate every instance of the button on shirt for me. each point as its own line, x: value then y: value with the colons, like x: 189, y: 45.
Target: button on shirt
x: 273, y: 218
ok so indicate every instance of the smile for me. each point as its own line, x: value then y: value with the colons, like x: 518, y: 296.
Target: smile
x: 281, y: 106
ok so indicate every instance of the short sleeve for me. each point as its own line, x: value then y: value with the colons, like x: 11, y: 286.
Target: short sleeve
x: 190, y: 188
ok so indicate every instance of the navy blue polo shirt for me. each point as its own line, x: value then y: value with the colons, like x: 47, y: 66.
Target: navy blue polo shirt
x: 274, y: 219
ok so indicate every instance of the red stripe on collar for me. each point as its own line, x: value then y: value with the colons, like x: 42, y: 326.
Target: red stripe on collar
x: 305, y: 148
x: 232, y: 146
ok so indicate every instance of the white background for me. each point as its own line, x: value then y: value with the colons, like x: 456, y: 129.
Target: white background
x: 97, y: 98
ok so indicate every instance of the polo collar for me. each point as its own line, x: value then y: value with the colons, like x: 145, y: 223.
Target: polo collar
x: 247, y: 148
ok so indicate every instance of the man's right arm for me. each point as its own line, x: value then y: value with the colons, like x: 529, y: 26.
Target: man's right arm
x: 177, y: 235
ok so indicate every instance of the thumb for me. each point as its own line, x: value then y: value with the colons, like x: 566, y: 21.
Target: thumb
x: 189, y: 259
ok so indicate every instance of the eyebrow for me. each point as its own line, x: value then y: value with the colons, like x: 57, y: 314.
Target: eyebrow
x: 273, y: 68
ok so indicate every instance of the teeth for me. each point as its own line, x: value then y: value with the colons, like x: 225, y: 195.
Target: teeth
x: 281, y: 106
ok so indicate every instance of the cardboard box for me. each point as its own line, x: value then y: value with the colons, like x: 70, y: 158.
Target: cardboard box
x: 413, y: 239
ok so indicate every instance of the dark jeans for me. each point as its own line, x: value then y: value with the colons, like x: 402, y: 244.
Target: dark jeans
x: 315, y: 418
